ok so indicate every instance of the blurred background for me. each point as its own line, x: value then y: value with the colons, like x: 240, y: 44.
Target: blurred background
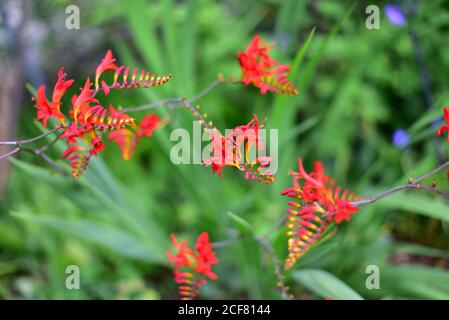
x: 368, y: 109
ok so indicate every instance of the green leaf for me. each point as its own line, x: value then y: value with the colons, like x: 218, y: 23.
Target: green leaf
x: 143, y: 29
x: 320, y: 251
x: 300, y: 129
x: 31, y: 89
x: 325, y: 284
x: 189, y: 45
x: 241, y: 224
x: 279, y: 111
x: 169, y: 32
x: 283, y: 111
x: 43, y: 174
x: 308, y: 71
x: 418, y: 281
x: 290, y: 16
x: 420, y: 250
x: 105, y: 189
x: 300, y: 55
x: 430, y: 115
x: 106, y: 236
x: 418, y: 203
x: 425, y: 119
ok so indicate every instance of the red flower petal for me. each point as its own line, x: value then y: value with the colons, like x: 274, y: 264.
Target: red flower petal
x: 262, y: 71
x: 106, y: 64
x: 105, y: 88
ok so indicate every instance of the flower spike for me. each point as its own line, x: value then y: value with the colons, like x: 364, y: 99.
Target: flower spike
x: 106, y: 64
x: 445, y: 127
x: 234, y: 149
x: 192, y: 267
x: 128, y: 138
x: 46, y: 109
x: 316, y: 204
x: 144, y: 80
x: 263, y: 72
x: 89, y: 120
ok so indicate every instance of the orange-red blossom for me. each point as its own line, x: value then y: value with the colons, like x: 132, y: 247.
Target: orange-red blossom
x: 192, y: 266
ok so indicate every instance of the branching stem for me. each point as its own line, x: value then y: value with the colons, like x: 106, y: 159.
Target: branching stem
x: 412, y: 184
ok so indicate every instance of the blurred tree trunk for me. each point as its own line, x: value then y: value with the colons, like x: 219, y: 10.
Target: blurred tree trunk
x: 12, y: 77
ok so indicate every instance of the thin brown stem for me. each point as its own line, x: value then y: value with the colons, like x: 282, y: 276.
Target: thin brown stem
x: 277, y: 225
x: 176, y: 102
x: 266, y: 245
x: 283, y: 288
x: 171, y: 101
x: 206, y: 90
x: 198, y: 115
x: 10, y: 153
x: 413, y: 184
x: 25, y: 141
x: 431, y: 173
x: 50, y: 144
x: 234, y: 236
x: 47, y: 159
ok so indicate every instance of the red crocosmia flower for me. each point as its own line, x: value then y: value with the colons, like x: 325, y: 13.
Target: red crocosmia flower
x: 181, y: 258
x: 92, y: 122
x: 61, y: 86
x: 263, y: 72
x: 105, y: 87
x: 445, y: 127
x: 125, y: 139
x: 342, y: 210
x: 98, y: 146
x: 318, y: 188
x: 317, y: 203
x: 71, y: 150
x: 203, y: 266
x: 128, y: 138
x: 84, y: 135
x: 234, y: 150
x: 206, y: 256
x: 72, y: 132
x: 46, y: 109
x: 148, y: 124
x: 192, y: 266
x: 222, y: 153
x: 183, y: 277
x: 106, y: 64
x: 248, y: 134
x: 79, y: 158
x: 79, y: 155
x: 81, y: 102
x: 256, y: 63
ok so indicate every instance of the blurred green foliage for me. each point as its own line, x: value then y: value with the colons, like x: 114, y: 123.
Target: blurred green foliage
x: 357, y: 87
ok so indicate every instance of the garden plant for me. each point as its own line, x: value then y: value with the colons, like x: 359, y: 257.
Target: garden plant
x: 317, y: 188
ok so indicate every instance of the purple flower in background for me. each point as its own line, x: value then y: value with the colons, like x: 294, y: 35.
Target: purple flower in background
x: 400, y: 138
x: 395, y: 14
